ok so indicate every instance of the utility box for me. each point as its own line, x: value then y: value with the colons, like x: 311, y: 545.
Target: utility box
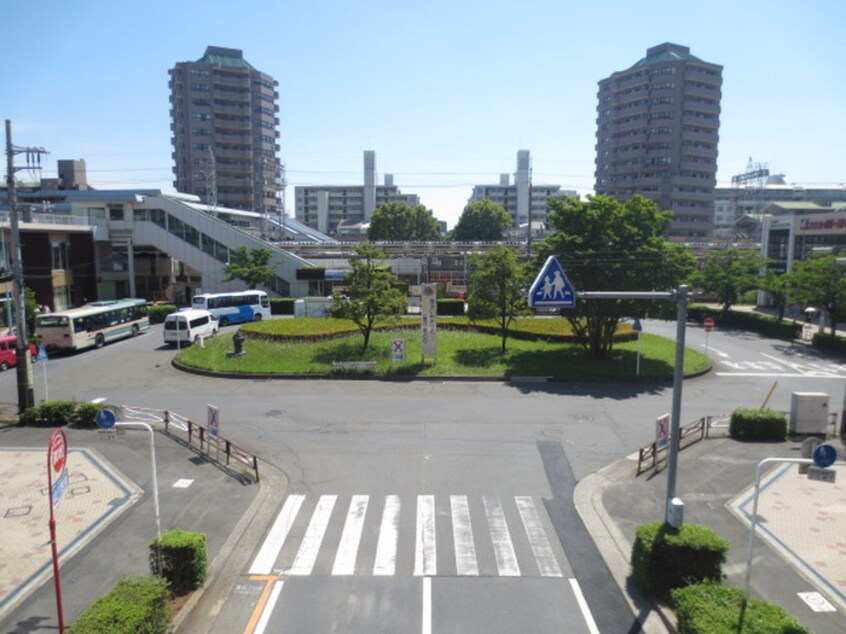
x: 808, y: 413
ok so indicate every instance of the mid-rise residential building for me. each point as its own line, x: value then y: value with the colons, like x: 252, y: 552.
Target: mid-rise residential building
x: 325, y: 207
x: 658, y: 127
x: 225, y: 131
x: 522, y: 198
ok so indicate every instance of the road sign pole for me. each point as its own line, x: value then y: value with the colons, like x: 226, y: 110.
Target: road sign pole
x: 675, y: 415
x: 153, y: 468
x: 638, y: 354
x: 56, y: 439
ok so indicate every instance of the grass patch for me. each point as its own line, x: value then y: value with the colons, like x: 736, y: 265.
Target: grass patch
x: 459, y: 354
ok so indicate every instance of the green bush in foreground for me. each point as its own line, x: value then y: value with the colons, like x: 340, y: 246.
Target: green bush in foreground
x: 180, y: 557
x: 61, y: 413
x: 136, y: 605
x: 751, y: 424
x: 664, y: 557
x: 709, y: 608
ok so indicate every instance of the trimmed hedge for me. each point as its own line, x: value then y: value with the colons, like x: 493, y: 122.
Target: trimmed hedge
x: 828, y: 343
x: 753, y: 322
x: 450, y: 306
x: 709, y: 608
x: 282, y: 306
x: 751, y: 424
x: 664, y: 557
x: 61, y: 413
x: 181, y: 558
x: 158, y: 312
x: 136, y: 605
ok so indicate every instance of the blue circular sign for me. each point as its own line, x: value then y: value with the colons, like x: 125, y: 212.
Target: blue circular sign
x: 824, y: 456
x: 105, y: 418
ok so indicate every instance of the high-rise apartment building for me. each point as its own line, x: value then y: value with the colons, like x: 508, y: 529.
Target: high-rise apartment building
x: 658, y: 126
x: 225, y: 131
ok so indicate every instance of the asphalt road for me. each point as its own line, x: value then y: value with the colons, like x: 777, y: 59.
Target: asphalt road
x: 500, y: 458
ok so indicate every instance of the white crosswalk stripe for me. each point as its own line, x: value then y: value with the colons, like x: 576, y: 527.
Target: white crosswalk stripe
x: 312, y: 536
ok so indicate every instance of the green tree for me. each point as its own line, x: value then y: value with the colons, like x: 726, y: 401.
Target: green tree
x: 372, y: 295
x: 820, y: 282
x: 252, y: 266
x: 778, y: 286
x: 729, y: 273
x: 481, y: 220
x: 496, y: 289
x: 605, y: 245
x: 399, y: 221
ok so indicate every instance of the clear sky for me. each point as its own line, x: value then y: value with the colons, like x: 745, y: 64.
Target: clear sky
x: 444, y: 91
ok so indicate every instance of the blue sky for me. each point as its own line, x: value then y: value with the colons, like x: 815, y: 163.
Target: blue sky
x: 445, y: 91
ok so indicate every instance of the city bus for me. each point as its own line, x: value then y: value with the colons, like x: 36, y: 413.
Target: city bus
x: 92, y: 325
x: 234, y: 308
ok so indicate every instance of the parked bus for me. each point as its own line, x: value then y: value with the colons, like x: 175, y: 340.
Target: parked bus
x: 188, y: 326
x: 92, y: 325
x: 234, y: 308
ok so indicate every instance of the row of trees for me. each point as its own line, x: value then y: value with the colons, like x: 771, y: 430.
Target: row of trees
x: 399, y: 221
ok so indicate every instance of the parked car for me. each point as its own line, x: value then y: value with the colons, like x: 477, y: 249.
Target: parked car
x: 9, y: 354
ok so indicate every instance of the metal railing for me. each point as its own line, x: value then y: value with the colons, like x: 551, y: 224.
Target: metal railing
x: 651, y: 456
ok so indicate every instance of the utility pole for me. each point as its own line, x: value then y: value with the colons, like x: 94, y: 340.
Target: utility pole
x: 26, y: 398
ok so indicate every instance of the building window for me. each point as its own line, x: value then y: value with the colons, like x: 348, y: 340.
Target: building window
x: 59, y: 255
x: 115, y: 212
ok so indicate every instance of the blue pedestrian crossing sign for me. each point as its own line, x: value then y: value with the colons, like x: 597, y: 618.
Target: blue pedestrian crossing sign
x: 551, y: 288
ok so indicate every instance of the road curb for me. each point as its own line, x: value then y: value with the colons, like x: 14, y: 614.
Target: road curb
x: 200, y: 611
x: 614, y: 547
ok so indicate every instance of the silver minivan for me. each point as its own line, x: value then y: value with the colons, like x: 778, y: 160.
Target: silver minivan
x: 189, y: 326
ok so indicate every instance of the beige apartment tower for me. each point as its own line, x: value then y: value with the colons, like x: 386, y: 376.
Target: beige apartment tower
x: 225, y: 128
x: 658, y: 126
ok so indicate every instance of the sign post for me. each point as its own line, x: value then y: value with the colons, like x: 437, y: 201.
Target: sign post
x: 398, y: 350
x: 429, y: 320
x: 41, y: 357
x: 57, y: 455
x: 214, y: 428
x: 709, y: 326
x: 638, y: 328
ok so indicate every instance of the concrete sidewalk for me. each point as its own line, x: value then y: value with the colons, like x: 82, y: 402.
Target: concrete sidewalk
x: 800, y: 551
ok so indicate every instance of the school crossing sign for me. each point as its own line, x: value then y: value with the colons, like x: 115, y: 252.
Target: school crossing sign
x: 551, y: 288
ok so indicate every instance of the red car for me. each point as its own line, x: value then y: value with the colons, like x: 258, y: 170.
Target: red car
x: 8, y: 352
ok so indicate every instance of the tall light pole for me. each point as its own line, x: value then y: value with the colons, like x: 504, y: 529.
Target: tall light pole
x: 26, y: 398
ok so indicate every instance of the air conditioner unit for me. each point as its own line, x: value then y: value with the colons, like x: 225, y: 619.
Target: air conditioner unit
x: 808, y: 413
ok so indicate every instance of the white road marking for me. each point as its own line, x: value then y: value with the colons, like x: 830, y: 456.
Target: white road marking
x: 268, y: 608
x: 506, y: 558
x: 541, y: 548
x: 351, y: 536
x: 462, y: 531
x: 386, y: 548
x: 425, y: 553
x: 712, y: 349
x: 263, y: 563
x: 98, y: 400
x: 310, y: 546
x: 583, y: 606
x: 786, y: 375
x: 427, y: 605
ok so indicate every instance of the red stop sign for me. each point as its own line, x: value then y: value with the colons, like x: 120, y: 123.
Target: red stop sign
x: 58, y: 451
x: 708, y: 323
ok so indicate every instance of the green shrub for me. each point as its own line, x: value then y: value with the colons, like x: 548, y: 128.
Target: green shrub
x: 753, y: 322
x: 180, y: 557
x: 826, y: 342
x: 282, y: 306
x: 158, y: 312
x: 450, y: 306
x: 84, y: 415
x: 709, y: 608
x: 664, y: 557
x: 136, y: 605
x: 751, y: 424
x: 61, y: 413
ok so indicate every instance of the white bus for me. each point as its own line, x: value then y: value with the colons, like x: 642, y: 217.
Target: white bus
x: 188, y: 326
x: 92, y: 325
x: 234, y: 308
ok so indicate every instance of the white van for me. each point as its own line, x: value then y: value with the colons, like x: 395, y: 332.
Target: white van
x: 188, y: 326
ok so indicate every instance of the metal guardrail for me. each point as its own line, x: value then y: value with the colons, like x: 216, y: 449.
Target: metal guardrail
x: 195, y: 432
x: 650, y: 456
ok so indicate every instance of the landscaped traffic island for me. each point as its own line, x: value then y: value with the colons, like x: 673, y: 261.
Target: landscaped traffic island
x: 536, y: 347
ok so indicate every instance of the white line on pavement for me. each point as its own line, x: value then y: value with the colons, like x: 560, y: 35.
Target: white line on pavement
x: 263, y: 563
x: 386, y: 548
x: 310, y: 546
x: 425, y: 553
x: 351, y: 536
x: 506, y: 558
x: 427, y: 605
x: 462, y: 531
x: 547, y: 564
x: 583, y: 606
x: 268, y: 608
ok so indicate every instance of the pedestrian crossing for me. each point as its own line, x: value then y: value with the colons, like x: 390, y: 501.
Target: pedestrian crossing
x: 422, y: 536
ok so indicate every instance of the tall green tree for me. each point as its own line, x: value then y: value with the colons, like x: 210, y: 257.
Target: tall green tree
x: 252, y: 266
x: 372, y: 294
x: 821, y: 283
x: 496, y: 289
x: 482, y: 220
x: 778, y: 286
x: 607, y: 245
x: 729, y: 273
x: 400, y: 221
